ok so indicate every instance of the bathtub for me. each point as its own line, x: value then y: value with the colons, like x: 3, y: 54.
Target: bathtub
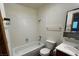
x: 30, y: 49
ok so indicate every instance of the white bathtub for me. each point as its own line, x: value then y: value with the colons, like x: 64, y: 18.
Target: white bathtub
x: 30, y: 49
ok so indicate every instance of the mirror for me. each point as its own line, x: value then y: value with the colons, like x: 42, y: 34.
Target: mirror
x: 72, y: 21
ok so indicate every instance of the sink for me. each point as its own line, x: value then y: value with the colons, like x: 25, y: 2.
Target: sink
x: 69, y: 48
x: 75, y: 50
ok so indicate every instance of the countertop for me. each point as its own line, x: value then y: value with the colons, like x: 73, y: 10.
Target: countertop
x: 69, y: 48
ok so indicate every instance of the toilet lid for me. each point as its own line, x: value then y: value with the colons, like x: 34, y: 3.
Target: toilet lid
x: 45, y: 51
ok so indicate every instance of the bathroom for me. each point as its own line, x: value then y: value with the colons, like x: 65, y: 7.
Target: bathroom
x: 32, y: 25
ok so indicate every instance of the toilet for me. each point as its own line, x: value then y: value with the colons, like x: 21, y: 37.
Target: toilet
x: 49, y: 46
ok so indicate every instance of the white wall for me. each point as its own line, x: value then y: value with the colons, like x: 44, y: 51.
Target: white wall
x: 23, y: 24
x: 53, y: 15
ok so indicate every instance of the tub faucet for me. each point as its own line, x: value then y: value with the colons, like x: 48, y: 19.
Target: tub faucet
x: 39, y: 38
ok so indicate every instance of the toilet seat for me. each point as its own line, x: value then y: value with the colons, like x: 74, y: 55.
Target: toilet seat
x: 45, y: 51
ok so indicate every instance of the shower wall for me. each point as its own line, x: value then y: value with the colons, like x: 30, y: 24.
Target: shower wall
x: 23, y: 24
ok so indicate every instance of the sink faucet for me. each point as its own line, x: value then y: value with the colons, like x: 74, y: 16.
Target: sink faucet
x: 76, y: 54
x: 76, y: 47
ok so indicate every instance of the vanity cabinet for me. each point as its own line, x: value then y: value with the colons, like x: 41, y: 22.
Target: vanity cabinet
x: 67, y: 49
x: 60, y: 53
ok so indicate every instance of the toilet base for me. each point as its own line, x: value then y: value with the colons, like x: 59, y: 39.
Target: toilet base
x: 44, y: 55
x: 45, y: 52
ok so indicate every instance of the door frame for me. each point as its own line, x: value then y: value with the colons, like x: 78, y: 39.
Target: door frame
x: 4, y: 42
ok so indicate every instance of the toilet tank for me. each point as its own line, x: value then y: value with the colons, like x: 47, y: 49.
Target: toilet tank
x: 50, y: 44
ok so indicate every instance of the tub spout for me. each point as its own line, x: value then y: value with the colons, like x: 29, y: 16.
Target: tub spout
x: 26, y: 40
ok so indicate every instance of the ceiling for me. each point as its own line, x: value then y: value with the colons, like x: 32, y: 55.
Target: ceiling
x: 33, y: 5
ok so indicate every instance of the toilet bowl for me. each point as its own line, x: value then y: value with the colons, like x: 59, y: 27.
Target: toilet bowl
x: 44, y: 52
x: 49, y: 46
